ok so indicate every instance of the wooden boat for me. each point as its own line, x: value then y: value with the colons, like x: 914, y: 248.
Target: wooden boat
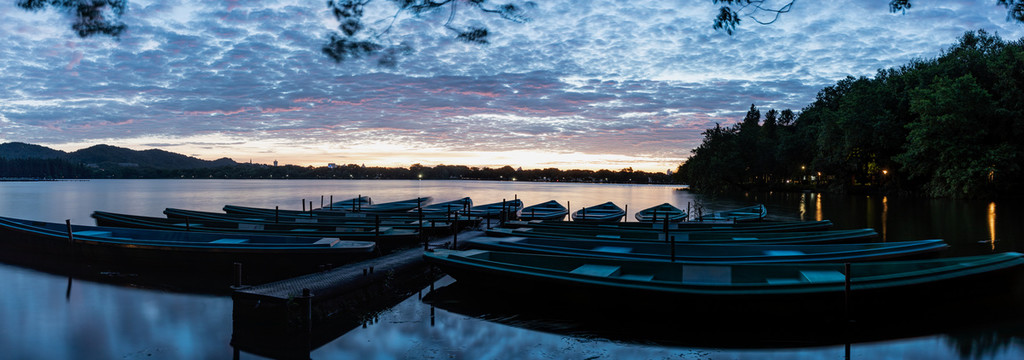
x: 273, y: 256
x: 782, y: 291
x: 353, y: 204
x: 549, y: 210
x: 449, y: 207
x: 687, y: 226
x: 602, y: 213
x: 660, y: 213
x: 729, y: 253
x: 700, y: 237
x: 400, y: 206
x: 386, y: 237
x: 749, y: 213
x: 511, y: 208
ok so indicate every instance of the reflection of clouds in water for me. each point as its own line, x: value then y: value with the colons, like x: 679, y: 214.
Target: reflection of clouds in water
x: 101, y: 321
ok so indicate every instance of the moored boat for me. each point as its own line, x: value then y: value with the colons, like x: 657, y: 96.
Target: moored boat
x: 511, y: 209
x: 602, y: 213
x: 660, y: 213
x: 777, y: 291
x: 548, y: 210
x: 717, y: 253
x: 386, y: 237
x: 448, y: 207
x: 273, y: 256
x: 701, y: 237
x: 743, y: 214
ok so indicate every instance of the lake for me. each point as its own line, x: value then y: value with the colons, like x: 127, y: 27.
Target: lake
x: 46, y: 315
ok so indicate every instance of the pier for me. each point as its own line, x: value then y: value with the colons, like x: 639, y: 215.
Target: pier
x: 289, y: 318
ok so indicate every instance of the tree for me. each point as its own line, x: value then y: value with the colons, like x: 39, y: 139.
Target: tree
x: 91, y: 17
x: 356, y: 39
x: 762, y: 11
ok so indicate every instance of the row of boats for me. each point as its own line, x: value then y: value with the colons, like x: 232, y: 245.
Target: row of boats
x: 793, y: 271
x: 721, y: 259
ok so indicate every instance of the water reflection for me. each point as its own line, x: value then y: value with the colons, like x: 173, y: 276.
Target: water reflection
x: 817, y: 207
x: 885, y: 218
x: 646, y: 327
x: 992, y: 224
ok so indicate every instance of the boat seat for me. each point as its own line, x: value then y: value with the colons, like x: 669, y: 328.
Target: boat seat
x: 327, y: 241
x: 640, y: 277
x: 744, y: 238
x: 614, y: 249
x: 707, y: 274
x: 306, y: 220
x: 229, y: 241
x: 188, y: 225
x: 783, y: 252
x: 302, y: 230
x: 819, y: 276
x: 93, y: 233
x: 782, y: 281
x: 608, y: 236
x: 596, y: 270
x: 244, y: 226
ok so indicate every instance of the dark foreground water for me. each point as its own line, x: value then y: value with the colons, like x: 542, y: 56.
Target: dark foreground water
x: 51, y: 315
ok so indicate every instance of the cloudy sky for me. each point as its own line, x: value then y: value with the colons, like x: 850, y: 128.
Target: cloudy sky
x: 584, y: 84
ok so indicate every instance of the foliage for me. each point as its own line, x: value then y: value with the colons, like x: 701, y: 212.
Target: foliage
x: 91, y: 17
x: 951, y: 127
x: 357, y: 37
x: 764, y: 13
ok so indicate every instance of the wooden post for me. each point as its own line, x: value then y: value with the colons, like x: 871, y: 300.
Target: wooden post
x: 187, y: 226
x: 424, y: 238
x: 846, y: 293
x: 303, y: 204
x: 331, y: 204
x: 376, y: 225
x: 321, y: 202
x: 672, y: 243
x: 311, y: 209
x: 624, y: 217
x: 455, y: 232
x: 666, y: 229
x: 238, y: 273
x: 71, y: 237
x: 277, y: 211
x: 568, y: 209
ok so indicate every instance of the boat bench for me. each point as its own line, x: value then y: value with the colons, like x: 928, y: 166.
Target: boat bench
x: 229, y: 241
x: 613, y: 249
x: 597, y: 270
x: 810, y: 276
x: 93, y: 233
x: 707, y: 274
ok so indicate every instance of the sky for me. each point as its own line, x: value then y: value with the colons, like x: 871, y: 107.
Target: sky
x: 582, y: 85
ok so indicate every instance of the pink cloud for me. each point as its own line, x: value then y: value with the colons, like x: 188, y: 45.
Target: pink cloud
x: 75, y: 59
x: 280, y: 110
x: 217, y: 112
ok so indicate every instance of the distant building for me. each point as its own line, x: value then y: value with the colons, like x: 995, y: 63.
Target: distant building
x: 331, y: 165
x: 275, y: 162
x: 669, y: 172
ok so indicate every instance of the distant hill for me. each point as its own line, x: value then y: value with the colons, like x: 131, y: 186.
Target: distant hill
x: 106, y: 155
x: 17, y: 150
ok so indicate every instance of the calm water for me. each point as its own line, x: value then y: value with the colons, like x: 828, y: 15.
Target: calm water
x: 48, y: 316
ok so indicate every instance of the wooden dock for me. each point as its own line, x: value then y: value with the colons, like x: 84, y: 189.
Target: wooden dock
x: 289, y: 318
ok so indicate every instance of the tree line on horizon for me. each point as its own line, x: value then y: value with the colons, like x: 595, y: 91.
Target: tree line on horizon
x: 946, y: 127
x: 59, y: 168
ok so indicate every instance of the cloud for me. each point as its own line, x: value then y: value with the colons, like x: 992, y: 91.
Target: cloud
x: 627, y: 81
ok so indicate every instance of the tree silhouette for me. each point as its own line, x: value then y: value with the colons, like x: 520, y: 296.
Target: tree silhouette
x: 764, y: 12
x: 90, y: 16
x: 356, y: 37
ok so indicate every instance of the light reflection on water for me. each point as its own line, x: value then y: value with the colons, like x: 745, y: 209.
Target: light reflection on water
x: 40, y: 318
